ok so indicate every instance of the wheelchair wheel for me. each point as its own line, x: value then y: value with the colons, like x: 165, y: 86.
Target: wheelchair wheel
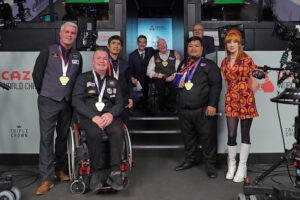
x: 78, y: 187
x: 73, y: 141
x: 16, y: 192
x: 253, y: 197
x: 242, y: 196
x: 7, y: 195
x: 127, y: 145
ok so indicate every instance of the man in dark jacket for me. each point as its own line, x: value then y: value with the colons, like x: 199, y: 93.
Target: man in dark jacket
x: 54, y: 75
x: 208, y: 43
x: 119, y: 69
x: 198, y: 97
x: 98, y: 101
x: 138, y: 62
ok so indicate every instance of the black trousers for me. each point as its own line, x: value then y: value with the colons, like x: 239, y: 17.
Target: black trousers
x: 53, y: 115
x: 145, y: 90
x: 196, y: 127
x: 94, y: 142
x: 165, y: 100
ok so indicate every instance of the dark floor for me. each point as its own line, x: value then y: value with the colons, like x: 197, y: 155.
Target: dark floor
x: 152, y: 178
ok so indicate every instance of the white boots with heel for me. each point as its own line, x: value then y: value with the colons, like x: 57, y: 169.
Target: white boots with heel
x: 231, y: 162
x: 241, y: 172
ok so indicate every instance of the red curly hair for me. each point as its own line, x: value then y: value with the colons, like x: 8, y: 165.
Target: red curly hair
x: 237, y: 36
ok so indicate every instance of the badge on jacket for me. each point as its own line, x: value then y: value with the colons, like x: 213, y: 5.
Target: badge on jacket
x: 55, y: 55
x: 90, y: 84
x: 92, y: 91
x: 75, y: 62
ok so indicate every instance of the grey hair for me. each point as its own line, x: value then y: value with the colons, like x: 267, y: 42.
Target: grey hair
x: 68, y: 23
x: 198, y: 25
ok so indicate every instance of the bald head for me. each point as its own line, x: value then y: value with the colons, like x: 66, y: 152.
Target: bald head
x: 162, y: 46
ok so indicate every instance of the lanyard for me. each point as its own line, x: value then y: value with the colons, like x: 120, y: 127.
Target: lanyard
x: 183, y: 70
x: 97, y: 84
x: 116, y: 72
x: 64, y: 65
x: 189, y: 74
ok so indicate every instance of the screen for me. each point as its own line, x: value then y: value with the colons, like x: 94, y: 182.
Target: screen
x: 229, y: 1
x: 87, y: 1
x: 32, y: 8
x: 155, y: 29
x: 222, y: 31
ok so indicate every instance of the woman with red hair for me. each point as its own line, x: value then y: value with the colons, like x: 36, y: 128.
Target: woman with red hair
x: 240, y: 105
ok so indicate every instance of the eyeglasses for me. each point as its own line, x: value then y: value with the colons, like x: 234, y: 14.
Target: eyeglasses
x: 200, y: 29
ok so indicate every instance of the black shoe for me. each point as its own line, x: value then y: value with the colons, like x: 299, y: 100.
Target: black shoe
x: 115, y: 180
x: 211, y: 171
x: 184, y: 165
x: 95, y: 182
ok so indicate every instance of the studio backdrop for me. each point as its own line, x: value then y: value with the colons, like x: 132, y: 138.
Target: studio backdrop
x: 19, y: 125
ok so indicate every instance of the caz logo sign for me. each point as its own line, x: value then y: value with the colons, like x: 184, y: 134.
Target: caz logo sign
x: 16, y: 75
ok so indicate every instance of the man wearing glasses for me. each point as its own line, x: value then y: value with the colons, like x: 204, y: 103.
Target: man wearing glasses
x: 207, y: 41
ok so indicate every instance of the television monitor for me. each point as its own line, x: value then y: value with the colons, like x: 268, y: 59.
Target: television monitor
x: 87, y: 1
x: 229, y: 1
x: 222, y: 31
x: 155, y: 29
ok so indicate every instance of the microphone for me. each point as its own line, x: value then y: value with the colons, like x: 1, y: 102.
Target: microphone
x: 219, y: 114
x: 3, y: 85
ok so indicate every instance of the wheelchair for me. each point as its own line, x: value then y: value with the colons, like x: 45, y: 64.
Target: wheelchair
x: 7, y: 190
x: 79, y: 162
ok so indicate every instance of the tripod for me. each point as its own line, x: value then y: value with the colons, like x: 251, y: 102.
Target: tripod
x: 280, y: 191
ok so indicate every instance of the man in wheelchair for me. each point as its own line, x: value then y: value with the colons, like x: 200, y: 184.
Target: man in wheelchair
x: 98, y: 102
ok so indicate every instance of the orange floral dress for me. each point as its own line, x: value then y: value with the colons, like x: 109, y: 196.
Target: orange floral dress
x: 239, y: 98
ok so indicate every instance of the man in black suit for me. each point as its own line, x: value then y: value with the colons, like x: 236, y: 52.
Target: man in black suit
x: 119, y: 68
x: 207, y: 41
x: 138, y: 62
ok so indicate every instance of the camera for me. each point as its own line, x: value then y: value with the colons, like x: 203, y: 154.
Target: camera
x: 288, y: 96
x: 290, y: 34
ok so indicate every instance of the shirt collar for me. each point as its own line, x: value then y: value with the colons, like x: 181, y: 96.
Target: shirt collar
x: 140, y: 52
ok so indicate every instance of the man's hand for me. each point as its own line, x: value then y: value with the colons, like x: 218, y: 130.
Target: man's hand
x: 159, y: 75
x: 130, y: 104
x: 134, y: 81
x: 181, y: 84
x: 170, y: 78
x: 210, y: 111
x: 97, y: 120
x: 106, y: 119
x: 177, y: 55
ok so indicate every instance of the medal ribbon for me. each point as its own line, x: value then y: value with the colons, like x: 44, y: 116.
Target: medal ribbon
x: 64, y: 65
x: 116, y: 72
x: 188, y: 73
x: 97, y: 84
x: 183, y: 70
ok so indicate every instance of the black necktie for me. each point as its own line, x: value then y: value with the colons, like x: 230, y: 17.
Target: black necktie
x: 142, y: 55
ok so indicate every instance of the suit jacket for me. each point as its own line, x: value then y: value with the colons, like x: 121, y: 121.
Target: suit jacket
x: 124, y: 80
x: 208, y: 44
x: 138, y: 66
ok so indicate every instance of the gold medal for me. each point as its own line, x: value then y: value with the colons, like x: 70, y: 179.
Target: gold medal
x: 64, y: 80
x: 165, y: 63
x: 100, y: 106
x: 188, y: 85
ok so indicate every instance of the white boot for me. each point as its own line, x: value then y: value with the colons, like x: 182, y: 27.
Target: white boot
x: 241, y: 173
x: 231, y: 162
